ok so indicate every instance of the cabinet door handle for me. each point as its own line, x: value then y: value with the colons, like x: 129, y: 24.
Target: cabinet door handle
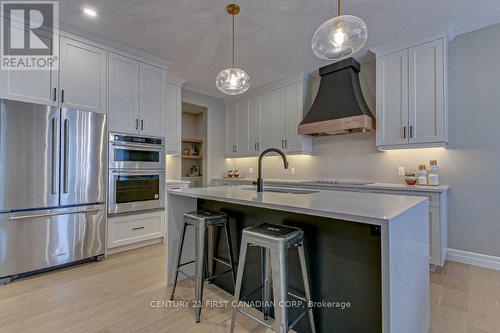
x: 55, y: 95
x: 286, y: 143
x: 137, y: 124
x: 142, y: 124
x: 62, y: 96
x: 411, y: 131
x: 137, y: 228
x: 282, y: 144
x: 404, y: 132
x: 258, y: 146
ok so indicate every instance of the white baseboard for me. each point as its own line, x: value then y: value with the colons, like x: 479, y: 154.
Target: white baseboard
x: 474, y: 259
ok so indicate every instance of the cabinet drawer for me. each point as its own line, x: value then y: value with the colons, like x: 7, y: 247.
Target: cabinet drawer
x: 124, y: 230
x: 433, y: 197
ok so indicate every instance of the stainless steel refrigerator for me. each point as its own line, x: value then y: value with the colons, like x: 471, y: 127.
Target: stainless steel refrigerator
x: 53, y: 165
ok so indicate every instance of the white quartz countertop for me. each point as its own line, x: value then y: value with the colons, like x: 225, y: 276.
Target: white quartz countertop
x: 311, y: 183
x: 176, y: 181
x: 362, y: 207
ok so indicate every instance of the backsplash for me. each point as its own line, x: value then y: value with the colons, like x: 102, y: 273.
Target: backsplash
x: 350, y: 157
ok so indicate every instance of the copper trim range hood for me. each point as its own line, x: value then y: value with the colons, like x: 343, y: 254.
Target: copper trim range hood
x: 339, y: 107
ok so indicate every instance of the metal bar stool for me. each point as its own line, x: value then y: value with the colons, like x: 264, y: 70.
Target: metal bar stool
x: 275, y: 240
x: 203, y: 221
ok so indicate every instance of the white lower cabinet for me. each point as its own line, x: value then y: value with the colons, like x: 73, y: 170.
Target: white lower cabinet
x: 130, y: 229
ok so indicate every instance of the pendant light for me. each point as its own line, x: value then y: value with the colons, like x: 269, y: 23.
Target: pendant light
x: 339, y: 37
x: 233, y: 81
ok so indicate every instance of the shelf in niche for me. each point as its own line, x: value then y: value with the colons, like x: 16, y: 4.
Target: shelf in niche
x: 192, y: 157
x: 195, y: 141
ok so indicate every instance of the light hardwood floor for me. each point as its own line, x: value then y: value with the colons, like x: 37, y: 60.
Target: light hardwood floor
x: 115, y: 295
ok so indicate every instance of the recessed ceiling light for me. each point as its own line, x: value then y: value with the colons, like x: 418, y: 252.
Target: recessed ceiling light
x: 90, y: 12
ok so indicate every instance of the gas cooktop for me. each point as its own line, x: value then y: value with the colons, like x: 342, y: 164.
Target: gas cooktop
x: 339, y: 182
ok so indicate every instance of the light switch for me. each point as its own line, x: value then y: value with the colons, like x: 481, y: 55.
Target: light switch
x: 401, y: 171
x: 292, y: 171
x: 250, y: 171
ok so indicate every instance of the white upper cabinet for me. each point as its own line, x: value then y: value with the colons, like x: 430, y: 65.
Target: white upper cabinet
x: 242, y: 128
x: 174, y: 118
x: 427, y: 93
x: 231, y: 129
x: 278, y: 118
x: 32, y: 86
x: 265, y: 120
x: 266, y: 115
x: 152, y: 93
x: 254, y: 129
x: 294, y: 113
x: 136, y: 97
x: 82, y: 76
x: 123, y: 94
x: 412, y: 97
x: 392, y: 99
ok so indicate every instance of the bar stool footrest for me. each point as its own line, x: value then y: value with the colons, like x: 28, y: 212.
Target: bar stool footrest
x: 210, y: 278
x: 254, y: 318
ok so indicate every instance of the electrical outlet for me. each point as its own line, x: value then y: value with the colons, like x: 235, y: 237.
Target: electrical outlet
x: 292, y: 171
x: 250, y: 171
x: 401, y: 171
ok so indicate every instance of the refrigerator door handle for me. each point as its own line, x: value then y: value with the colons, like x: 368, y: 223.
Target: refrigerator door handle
x: 54, y: 156
x: 72, y: 212
x: 66, y: 153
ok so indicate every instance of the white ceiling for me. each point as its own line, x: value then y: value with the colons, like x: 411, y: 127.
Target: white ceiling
x: 272, y: 36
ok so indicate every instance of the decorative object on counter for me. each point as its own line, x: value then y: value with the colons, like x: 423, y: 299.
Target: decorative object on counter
x: 230, y: 173
x: 339, y: 37
x: 236, y: 173
x: 195, y: 171
x: 233, y: 81
x: 410, y: 178
x: 433, y: 177
x: 422, y: 174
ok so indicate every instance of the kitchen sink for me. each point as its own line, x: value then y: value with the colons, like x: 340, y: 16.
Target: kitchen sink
x: 282, y: 190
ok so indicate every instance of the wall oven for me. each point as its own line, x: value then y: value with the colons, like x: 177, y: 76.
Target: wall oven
x: 135, y: 190
x: 136, y: 173
x: 136, y: 152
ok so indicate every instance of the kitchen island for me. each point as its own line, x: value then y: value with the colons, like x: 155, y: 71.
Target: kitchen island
x: 363, y: 249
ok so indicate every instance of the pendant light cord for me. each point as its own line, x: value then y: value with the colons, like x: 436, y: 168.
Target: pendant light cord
x: 233, y: 40
x: 339, y: 7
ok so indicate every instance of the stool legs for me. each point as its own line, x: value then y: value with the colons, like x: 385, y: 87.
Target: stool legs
x: 200, y: 250
x: 239, y: 278
x: 279, y: 259
x: 179, y: 254
x: 266, y: 281
x: 307, y: 289
x: 229, y: 245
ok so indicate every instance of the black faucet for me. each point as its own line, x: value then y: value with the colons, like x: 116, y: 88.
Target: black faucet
x: 260, y: 181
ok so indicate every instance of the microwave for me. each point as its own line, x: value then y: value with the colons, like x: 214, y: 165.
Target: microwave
x: 136, y: 152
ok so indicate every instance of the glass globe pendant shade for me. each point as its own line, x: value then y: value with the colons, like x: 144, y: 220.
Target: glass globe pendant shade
x: 232, y: 81
x: 339, y: 37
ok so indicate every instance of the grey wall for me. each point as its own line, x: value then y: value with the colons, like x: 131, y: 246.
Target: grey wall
x: 471, y: 165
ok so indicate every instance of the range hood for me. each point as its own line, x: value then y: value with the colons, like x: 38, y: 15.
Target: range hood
x: 339, y: 107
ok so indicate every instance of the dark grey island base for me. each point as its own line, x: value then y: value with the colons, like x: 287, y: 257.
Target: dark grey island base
x: 343, y: 259
x: 368, y: 249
